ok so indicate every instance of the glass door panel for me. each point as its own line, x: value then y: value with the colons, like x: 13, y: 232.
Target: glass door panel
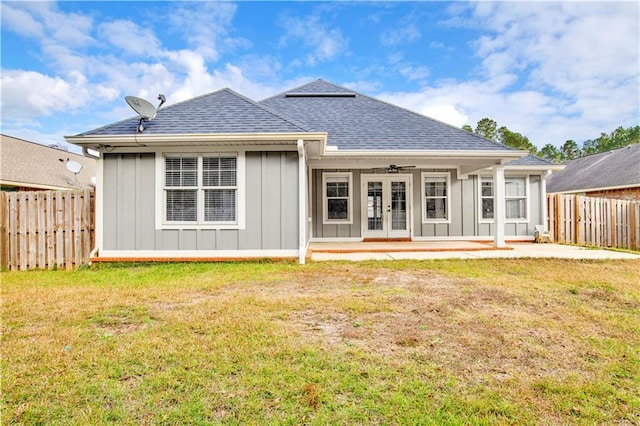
x: 398, y: 206
x: 374, y: 206
x: 388, y: 206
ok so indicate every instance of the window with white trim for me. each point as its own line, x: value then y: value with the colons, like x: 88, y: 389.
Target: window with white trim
x: 486, y: 197
x: 436, y: 202
x: 515, y: 194
x: 337, y: 197
x: 200, y: 188
x: 516, y: 188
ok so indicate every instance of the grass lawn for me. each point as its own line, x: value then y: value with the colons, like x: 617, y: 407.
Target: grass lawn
x: 504, y: 341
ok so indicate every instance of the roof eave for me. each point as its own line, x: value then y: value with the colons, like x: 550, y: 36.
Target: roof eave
x: 96, y: 141
x: 506, y: 155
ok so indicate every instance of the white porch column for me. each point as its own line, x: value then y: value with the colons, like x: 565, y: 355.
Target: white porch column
x: 302, y: 203
x: 543, y: 199
x: 498, y: 206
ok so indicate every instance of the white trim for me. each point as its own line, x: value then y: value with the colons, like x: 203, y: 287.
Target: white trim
x: 499, y: 206
x: 171, y: 139
x: 480, y: 218
x: 302, y: 202
x: 177, y: 254
x: 386, y: 179
x: 99, y: 204
x: 325, y: 219
x: 498, y: 155
x: 527, y: 199
x: 161, y: 224
x: 447, y: 176
x: 528, y: 195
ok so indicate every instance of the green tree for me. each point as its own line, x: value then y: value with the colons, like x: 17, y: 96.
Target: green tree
x: 487, y: 128
x: 570, y: 150
x: 550, y: 152
x: 515, y: 140
x: 467, y: 128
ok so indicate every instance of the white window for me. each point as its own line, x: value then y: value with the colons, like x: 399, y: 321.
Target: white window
x: 337, y: 198
x: 200, y: 189
x: 436, y: 197
x: 486, y: 197
x: 516, y: 201
x: 515, y: 194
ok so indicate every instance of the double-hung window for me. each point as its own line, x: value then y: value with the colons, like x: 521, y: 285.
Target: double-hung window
x: 515, y: 198
x: 436, y: 189
x: 201, y: 189
x: 337, y: 197
x: 515, y: 194
x: 486, y: 197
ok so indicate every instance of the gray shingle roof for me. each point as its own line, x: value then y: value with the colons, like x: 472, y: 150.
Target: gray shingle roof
x: 224, y: 111
x: 360, y: 122
x: 530, y: 160
x: 620, y: 167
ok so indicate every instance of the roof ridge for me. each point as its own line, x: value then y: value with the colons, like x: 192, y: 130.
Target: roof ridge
x: 269, y: 110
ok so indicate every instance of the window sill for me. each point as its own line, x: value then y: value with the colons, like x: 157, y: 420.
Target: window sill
x: 178, y: 226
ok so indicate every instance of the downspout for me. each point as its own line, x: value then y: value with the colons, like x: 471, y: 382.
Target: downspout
x: 98, y: 205
x: 86, y: 153
x: 302, y: 198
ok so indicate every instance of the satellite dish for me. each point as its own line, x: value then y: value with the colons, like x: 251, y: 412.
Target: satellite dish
x: 144, y: 108
x: 73, y: 166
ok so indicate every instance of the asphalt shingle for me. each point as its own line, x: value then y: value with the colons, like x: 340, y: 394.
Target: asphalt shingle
x: 620, y: 167
x: 224, y: 111
x: 361, y: 122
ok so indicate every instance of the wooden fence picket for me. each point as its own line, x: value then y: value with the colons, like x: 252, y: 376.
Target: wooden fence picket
x: 592, y: 221
x: 46, y: 229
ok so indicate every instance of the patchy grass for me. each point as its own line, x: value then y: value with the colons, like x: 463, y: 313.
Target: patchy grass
x: 405, y: 342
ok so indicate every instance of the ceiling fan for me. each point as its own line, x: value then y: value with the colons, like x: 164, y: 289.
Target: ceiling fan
x: 393, y: 168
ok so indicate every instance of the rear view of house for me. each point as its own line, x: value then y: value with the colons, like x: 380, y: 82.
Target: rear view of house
x: 223, y: 176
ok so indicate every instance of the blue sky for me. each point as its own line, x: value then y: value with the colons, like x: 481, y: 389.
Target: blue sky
x: 551, y: 71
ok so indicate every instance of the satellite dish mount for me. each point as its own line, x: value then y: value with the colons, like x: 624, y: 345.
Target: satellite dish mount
x: 144, y: 108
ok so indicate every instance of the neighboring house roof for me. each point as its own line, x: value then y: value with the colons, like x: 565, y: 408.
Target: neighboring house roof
x: 608, y: 170
x: 31, y: 165
x: 358, y: 122
x: 220, y: 112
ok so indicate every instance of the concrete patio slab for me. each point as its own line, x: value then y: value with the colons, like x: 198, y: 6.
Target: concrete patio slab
x: 456, y: 250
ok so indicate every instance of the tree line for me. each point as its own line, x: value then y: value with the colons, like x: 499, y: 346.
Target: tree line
x: 570, y: 150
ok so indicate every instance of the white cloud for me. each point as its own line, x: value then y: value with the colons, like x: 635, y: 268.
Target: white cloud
x: 28, y: 93
x: 130, y: 37
x: 206, y: 27
x: 20, y: 21
x: 324, y: 42
x: 551, y: 71
x: 404, y: 33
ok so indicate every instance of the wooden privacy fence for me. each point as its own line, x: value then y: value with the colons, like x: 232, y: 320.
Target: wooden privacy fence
x: 602, y: 222
x: 46, y: 229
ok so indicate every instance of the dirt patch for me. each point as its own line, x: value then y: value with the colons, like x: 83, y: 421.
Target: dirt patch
x: 454, y: 323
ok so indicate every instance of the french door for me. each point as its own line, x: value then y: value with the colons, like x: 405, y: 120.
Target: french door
x: 386, y: 206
